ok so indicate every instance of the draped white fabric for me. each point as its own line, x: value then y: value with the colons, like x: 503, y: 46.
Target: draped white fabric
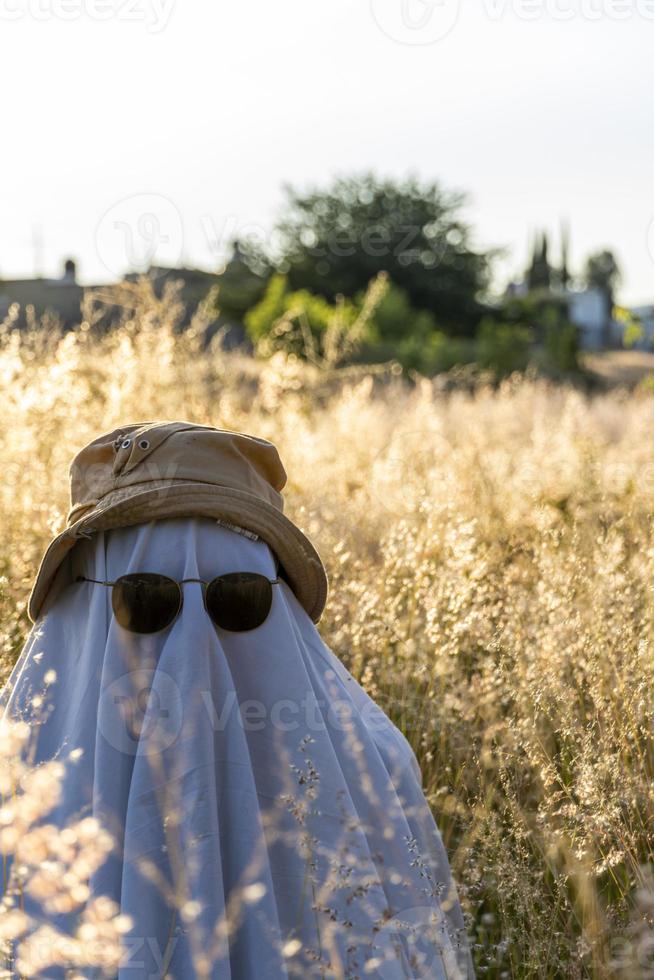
x: 268, y: 816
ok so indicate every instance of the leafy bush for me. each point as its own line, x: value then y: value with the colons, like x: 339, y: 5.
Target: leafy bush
x: 562, y: 347
x: 395, y: 318
x: 503, y: 347
x: 399, y: 332
x: 308, y: 326
x: 278, y: 302
x: 380, y: 329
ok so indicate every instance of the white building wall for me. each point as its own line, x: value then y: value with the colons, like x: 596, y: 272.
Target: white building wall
x: 589, y: 311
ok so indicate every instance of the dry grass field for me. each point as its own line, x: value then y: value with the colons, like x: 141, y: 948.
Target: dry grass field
x: 491, y: 562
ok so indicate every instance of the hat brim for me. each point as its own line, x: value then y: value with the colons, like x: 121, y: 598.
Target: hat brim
x: 301, y: 562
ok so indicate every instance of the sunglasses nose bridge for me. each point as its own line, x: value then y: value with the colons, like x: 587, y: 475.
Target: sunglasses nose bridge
x: 203, y: 590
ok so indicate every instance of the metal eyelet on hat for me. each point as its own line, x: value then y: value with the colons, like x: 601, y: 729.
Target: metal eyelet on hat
x: 126, y: 443
x: 144, y: 444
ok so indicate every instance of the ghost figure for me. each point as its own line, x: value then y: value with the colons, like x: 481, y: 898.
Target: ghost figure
x: 266, y: 817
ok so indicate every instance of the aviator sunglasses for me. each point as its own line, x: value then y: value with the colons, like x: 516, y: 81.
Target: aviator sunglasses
x: 146, y: 602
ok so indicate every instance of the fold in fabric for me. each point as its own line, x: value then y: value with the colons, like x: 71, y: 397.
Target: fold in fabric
x: 268, y: 817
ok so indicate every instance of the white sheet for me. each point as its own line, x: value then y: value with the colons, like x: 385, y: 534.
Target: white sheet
x: 299, y: 812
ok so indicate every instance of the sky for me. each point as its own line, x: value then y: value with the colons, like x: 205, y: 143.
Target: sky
x: 137, y: 130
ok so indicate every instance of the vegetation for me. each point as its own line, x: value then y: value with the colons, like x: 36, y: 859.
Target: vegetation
x: 334, y: 241
x: 331, y: 244
x: 380, y: 325
x: 602, y: 271
x: 491, y: 557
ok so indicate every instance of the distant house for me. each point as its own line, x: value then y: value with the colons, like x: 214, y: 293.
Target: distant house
x: 590, y: 309
x: 62, y: 297
x: 198, y: 285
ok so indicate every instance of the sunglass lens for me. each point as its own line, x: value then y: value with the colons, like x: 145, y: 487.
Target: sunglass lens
x: 239, y: 601
x: 145, y: 602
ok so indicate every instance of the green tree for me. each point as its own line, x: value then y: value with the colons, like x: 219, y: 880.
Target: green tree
x: 334, y: 241
x: 603, y: 272
x: 539, y: 273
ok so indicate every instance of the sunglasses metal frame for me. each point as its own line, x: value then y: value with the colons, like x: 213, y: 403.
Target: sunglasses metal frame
x: 179, y: 583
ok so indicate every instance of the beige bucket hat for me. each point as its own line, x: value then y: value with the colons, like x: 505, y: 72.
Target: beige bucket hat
x: 149, y: 470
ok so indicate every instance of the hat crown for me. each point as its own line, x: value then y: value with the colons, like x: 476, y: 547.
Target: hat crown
x: 164, y: 453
